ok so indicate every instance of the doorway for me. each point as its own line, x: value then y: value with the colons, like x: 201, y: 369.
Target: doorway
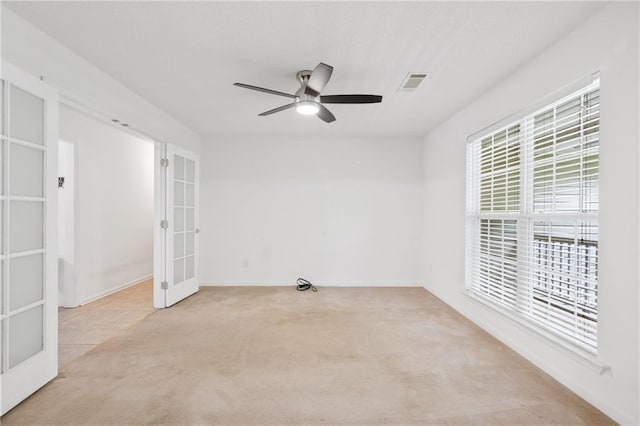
x: 30, y: 133
x: 107, y: 203
x: 105, y: 230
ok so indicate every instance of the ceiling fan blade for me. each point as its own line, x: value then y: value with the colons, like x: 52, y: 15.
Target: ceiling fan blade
x: 262, y: 89
x: 319, y: 78
x: 350, y: 99
x: 282, y: 108
x: 325, y: 115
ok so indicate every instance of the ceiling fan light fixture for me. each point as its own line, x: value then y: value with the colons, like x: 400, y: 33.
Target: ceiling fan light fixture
x: 307, y: 107
x: 308, y: 100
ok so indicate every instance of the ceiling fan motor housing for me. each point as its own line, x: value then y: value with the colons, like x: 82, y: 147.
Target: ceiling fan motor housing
x: 303, y: 78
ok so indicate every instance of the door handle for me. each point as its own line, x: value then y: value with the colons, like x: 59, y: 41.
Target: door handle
x: 197, y: 230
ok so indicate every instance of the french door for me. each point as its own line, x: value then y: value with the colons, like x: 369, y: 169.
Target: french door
x: 28, y: 259
x: 176, y: 253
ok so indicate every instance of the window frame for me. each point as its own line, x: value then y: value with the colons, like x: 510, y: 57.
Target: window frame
x: 525, y: 216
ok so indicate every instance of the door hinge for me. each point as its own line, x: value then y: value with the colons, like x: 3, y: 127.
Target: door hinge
x: 164, y: 224
x: 164, y: 162
x: 164, y: 285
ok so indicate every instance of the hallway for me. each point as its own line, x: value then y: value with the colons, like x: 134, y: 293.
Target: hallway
x: 83, y: 328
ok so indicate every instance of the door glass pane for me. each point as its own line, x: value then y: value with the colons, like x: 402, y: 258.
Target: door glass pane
x: 26, y: 219
x: 3, y: 189
x: 178, y: 271
x: 191, y: 170
x: 189, y: 267
x: 25, y: 335
x: 178, y: 193
x: 178, y: 245
x: 27, y: 168
x: 2, y: 109
x: 189, y: 244
x: 27, y: 116
x: 190, y: 219
x: 2, y: 263
x: 178, y: 172
x: 2, y: 205
x: 190, y: 195
x: 2, y: 342
x: 178, y: 216
x: 25, y: 281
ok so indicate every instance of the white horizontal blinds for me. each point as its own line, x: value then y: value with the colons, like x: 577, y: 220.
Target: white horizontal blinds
x: 497, y: 261
x: 562, y: 262
x: 500, y: 171
x: 565, y: 154
x: 564, y: 279
x: 532, y: 216
x: 492, y: 238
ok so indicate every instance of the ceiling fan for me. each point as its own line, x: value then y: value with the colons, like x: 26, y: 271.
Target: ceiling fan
x: 307, y: 99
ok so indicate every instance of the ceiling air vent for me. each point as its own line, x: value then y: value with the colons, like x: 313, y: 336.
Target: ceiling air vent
x: 412, y: 81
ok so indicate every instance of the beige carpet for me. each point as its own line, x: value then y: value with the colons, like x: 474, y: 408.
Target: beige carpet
x: 82, y: 329
x: 251, y: 355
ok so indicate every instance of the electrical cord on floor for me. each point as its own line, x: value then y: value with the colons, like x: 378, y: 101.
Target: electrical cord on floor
x: 304, y: 285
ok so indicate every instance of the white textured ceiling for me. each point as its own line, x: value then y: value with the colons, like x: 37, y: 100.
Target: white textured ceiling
x: 184, y: 56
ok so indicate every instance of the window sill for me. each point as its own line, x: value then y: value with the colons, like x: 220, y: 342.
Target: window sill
x: 582, y: 356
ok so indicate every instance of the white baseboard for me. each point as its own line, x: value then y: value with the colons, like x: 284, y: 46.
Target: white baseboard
x: 317, y: 283
x: 115, y: 289
x: 528, y: 352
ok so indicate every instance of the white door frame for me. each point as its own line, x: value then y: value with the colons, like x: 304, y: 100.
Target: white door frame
x: 159, y: 234
x: 70, y: 102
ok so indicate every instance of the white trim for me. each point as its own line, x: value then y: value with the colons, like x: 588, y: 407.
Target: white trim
x: 316, y: 283
x: 22, y: 254
x: 77, y: 182
x: 159, y: 234
x: 94, y: 112
x: 91, y: 111
x: 115, y: 289
x: 22, y: 309
x: 550, y: 368
x: 551, y: 98
x: 32, y: 145
x: 582, y: 356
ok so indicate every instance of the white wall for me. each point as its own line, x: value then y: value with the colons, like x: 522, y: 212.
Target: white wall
x: 115, y: 204
x: 37, y: 53
x: 338, y: 211
x: 607, y: 42
x: 66, y: 227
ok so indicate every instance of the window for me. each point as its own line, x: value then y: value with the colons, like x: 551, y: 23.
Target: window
x: 532, y: 217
